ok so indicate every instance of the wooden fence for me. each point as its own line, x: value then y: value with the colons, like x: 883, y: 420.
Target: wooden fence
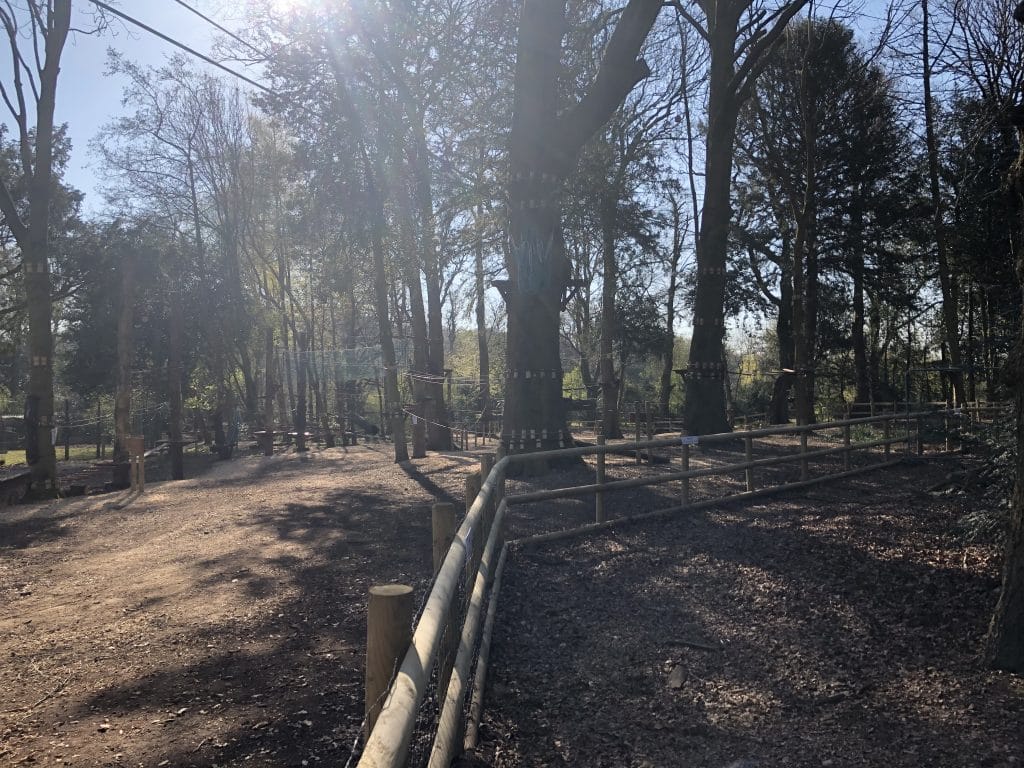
x: 478, y: 552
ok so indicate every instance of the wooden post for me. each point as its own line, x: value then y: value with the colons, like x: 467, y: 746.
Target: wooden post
x: 920, y: 436
x: 473, y: 485
x: 486, y: 465
x: 945, y: 429
x: 599, y: 515
x: 443, y: 525
x: 388, y: 634
x: 749, y: 450
x: 136, y: 447
x: 685, y: 496
x: 846, y: 446
x: 886, y: 434
x: 804, y: 472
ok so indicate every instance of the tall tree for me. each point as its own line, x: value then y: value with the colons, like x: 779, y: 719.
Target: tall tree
x: 543, y: 145
x: 46, y: 25
x: 739, y: 36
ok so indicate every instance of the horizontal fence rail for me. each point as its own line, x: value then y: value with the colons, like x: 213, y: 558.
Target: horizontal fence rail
x: 479, y: 551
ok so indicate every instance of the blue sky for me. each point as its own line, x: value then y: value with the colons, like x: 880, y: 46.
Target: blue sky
x: 87, y: 98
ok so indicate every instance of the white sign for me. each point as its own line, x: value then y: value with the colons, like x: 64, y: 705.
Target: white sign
x: 689, y: 440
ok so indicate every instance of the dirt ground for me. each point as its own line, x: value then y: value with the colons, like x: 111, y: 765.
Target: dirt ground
x: 220, y: 621
x: 840, y: 627
x: 216, y: 621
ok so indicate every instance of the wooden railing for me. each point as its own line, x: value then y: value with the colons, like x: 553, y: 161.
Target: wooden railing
x: 479, y: 551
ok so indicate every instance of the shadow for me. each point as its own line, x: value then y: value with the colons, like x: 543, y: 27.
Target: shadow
x: 849, y: 632
x: 280, y: 680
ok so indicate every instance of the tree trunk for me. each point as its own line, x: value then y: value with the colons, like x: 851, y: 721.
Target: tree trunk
x: 947, y: 280
x: 543, y: 146
x: 33, y: 239
x: 301, y: 357
x: 1005, y: 641
x: 860, y: 353
x: 609, y: 319
x: 668, y: 353
x: 704, y: 405
x: 439, y: 436
x: 481, y: 312
x: 125, y: 342
x: 778, y: 411
x: 174, y: 377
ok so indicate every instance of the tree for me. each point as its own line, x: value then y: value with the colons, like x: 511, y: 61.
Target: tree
x: 739, y: 35
x: 543, y: 145
x: 48, y: 24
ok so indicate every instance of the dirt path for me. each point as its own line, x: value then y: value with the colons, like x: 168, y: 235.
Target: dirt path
x: 217, y: 621
x: 221, y: 622
x: 837, y: 628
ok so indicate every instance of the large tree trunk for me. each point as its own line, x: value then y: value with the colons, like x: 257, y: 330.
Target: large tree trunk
x: 542, y: 150
x: 33, y: 240
x: 704, y: 410
x: 439, y: 436
x: 1005, y: 641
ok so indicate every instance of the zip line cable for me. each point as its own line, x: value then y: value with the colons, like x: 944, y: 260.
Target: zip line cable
x: 223, y: 29
x: 182, y: 46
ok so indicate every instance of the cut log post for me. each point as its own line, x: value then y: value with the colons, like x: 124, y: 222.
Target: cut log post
x: 846, y: 446
x: 486, y: 465
x: 388, y: 634
x: 136, y: 447
x: 443, y: 525
x: 599, y: 514
x: 804, y: 471
x: 748, y: 444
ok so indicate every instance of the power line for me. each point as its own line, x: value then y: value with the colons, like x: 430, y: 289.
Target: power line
x: 225, y: 30
x: 182, y: 46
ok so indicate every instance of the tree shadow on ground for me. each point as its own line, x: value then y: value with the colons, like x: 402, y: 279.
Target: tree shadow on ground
x: 848, y: 635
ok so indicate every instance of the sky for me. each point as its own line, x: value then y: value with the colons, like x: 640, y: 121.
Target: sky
x: 87, y: 98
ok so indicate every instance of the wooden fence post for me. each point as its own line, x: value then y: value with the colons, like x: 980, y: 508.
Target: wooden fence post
x: 920, y: 436
x: 804, y: 471
x: 388, y: 634
x: 443, y: 528
x: 137, y: 461
x: 846, y: 445
x: 748, y: 444
x: 599, y: 515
